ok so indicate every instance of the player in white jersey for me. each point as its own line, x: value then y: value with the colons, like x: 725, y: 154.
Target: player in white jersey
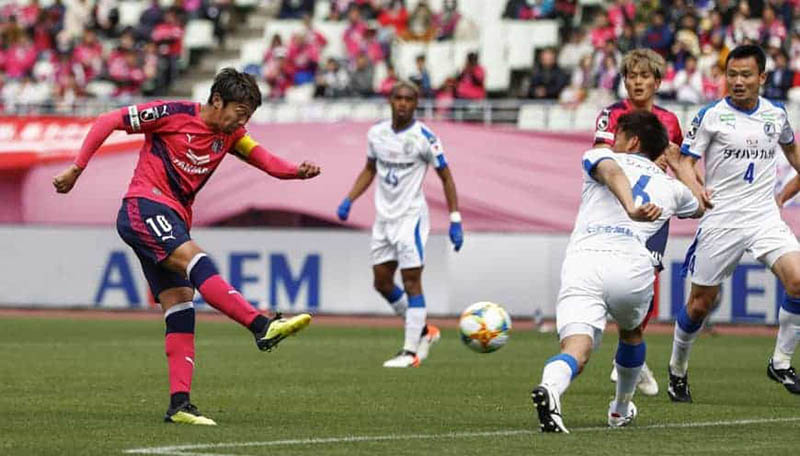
x: 608, y: 269
x: 739, y: 137
x: 399, y: 152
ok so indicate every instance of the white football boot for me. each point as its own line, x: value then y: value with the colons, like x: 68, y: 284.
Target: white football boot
x: 616, y: 420
x: 647, y: 383
x: 431, y: 336
x: 403, y: 359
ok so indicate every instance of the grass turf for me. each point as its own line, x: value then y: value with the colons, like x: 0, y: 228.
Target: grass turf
x: 94, y: 387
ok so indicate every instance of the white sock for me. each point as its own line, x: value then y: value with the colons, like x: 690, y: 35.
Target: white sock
x: 627, y: 378
x: 686, y: 331
x: 415, y: 321
x: 400, y: 305
x: 788, y: 337
x: 556, y: 376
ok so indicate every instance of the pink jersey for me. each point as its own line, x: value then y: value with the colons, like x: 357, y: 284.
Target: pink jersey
x: 179, y: 153
x: 607, y: 122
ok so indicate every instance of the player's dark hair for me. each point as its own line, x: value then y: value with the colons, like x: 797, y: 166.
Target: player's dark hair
x: 653, y: 139
x: 232, y: 85
x: 748, y: 50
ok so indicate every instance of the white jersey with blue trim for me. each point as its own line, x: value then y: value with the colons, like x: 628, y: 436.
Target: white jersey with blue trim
x: 740, y: 149
x: 402, y: 159
x: 602, y: 223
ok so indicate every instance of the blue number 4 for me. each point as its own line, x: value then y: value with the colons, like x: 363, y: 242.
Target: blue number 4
x: 748, y: 174
x: 638, y: 189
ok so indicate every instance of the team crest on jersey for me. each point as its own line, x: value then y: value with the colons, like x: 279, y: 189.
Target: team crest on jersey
x: 408, y: 147
x: 216, y: 146
x: 769, y: 129
x: 602, y: 122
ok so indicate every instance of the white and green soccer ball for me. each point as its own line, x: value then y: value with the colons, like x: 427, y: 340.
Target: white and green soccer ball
x: 485, y: 327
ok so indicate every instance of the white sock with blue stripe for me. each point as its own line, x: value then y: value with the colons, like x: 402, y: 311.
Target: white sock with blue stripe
x: 558, y: 373
x: 788, y: 333
x: 629, y: 361
x: 415, y: 321
x: 686, y: 332
x: 397, y: 299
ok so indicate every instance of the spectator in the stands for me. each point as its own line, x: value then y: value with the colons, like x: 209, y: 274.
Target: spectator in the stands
x: 470, y: 83
x: 581, y: 82
x: 771, y: 27
x: 28, y: 14
x: 385, y: 86
x: 274, y: 45
x: 658, y: 35
x: 304, y: 56
x: 780, y: 79
x: 420, y: 22
x: 607, y: 76
x: 44, y: 32
x: 547, y: 79
x: 602, y: 31
x: 628, y: 40
x: 168, y: 35
x: 333, y: 81
x: 295, y: 9
x: 577, y: 46
x: 124, y: 68
x: 150, y: 69
x: 711, y: 27
x: 20, y: 56
x: 354, y: 34
x: 688, y: 82
x: 77, y: 16
x: 313, y: 35
x: 714, y: 84
x: 362, y: 78
x: 396, y: 17
x: 621, y: 13
x: 89, y: 54
x: 447, y: 21
x: 106, y: 17
x: 529, y: 9
x: 422, y: 78
x: 150, y: 17
x: 281, y: 76
x: 445, y: 98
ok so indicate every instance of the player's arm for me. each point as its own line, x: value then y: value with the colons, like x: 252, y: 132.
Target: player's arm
x: 605, y: 125
x: 449, y: 185
x: 361, y: 185
x: 259, y: 157
x: 788, y: 191
x: 608, y: 173
x: 684, y: 163
x: 101, y: 129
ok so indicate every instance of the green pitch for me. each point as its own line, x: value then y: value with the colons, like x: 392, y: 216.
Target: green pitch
x: 72, y: 387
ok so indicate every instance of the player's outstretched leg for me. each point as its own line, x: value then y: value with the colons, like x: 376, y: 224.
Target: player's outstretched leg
x: 629, y: 362
x: 779, y: 367
x: 179, y: 347
x: 558, y: 372
x: 222, y: 296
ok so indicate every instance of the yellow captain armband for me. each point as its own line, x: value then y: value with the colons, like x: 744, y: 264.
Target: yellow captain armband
x: 245, y: 146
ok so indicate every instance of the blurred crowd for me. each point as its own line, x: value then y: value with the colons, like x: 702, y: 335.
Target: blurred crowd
x: 693, y: 37
x: 366, y: 69
x: 55, y: 55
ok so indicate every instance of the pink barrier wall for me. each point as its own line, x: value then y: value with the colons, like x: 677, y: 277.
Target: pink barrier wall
x: 506, y: 180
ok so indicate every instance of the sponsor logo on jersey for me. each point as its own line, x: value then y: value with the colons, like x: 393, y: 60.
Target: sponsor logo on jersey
x: 728, y: 119
x: 191, y: 169
x: 197, y: 159
x: 408, y: 147
x: 216, y: 146
x: 603, y: 120
x: 749, y: 154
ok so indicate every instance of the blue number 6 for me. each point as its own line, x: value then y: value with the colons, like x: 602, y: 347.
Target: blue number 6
x: 638, y: 189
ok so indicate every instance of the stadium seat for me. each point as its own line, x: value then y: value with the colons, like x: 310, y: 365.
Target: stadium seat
x: 368, y: 111
x: 130, y: 11
x: 101, y: 89
x: 494, y: 57
x: 246, y: 3
x: 200, y: 91
x: 545, y: 33
x: 199, y: 34
x: 379, y: 75
x: 532, y: 117
x: 286, y: 112
x: 560, y: 118
x: 252, y: 51
x: 520, y: 42
x: 300, y: 94
x: 405, y: 55
x: 585, y: 117
x: 234, y: 63
x: 338, y: 111
x: 440, y: 62
x: 333, y: 32
x: 321, y: 11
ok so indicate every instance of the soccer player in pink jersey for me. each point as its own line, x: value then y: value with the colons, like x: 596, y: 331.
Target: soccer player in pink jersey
x: 184, y: 144
x: 642, y: 70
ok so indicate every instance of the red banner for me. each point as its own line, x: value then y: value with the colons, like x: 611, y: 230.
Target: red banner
x: 27, y: 141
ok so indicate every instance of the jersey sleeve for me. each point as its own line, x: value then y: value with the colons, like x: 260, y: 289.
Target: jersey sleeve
x: 153, y: 116
x: 698, y: 137
x: 434, y: 153
x: 686, y: 203
x: 787, y: 134
x: 591, y: 158
x: 676, y: 135
x: 605, y: 126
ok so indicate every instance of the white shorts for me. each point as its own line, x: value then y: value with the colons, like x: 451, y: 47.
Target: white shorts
x: 594, y: 284
x: 401, y: 240
x: 716, y: 252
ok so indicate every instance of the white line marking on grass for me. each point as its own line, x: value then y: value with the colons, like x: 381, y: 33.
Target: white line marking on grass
x: 186, y: 450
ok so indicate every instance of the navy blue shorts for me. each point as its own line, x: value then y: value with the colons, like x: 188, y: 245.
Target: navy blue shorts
x: 154, y: 231
x: 657, y: 244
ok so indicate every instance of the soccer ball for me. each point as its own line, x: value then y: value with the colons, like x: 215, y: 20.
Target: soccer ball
x: 485, y: 327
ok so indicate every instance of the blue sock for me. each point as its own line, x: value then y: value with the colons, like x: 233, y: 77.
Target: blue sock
x: 686, y: 323
x: 394, y: 295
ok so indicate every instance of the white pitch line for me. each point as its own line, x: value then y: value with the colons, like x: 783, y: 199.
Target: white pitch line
x: 186, y: 450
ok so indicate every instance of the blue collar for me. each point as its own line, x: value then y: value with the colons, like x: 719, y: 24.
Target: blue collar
x: 748, y: 112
